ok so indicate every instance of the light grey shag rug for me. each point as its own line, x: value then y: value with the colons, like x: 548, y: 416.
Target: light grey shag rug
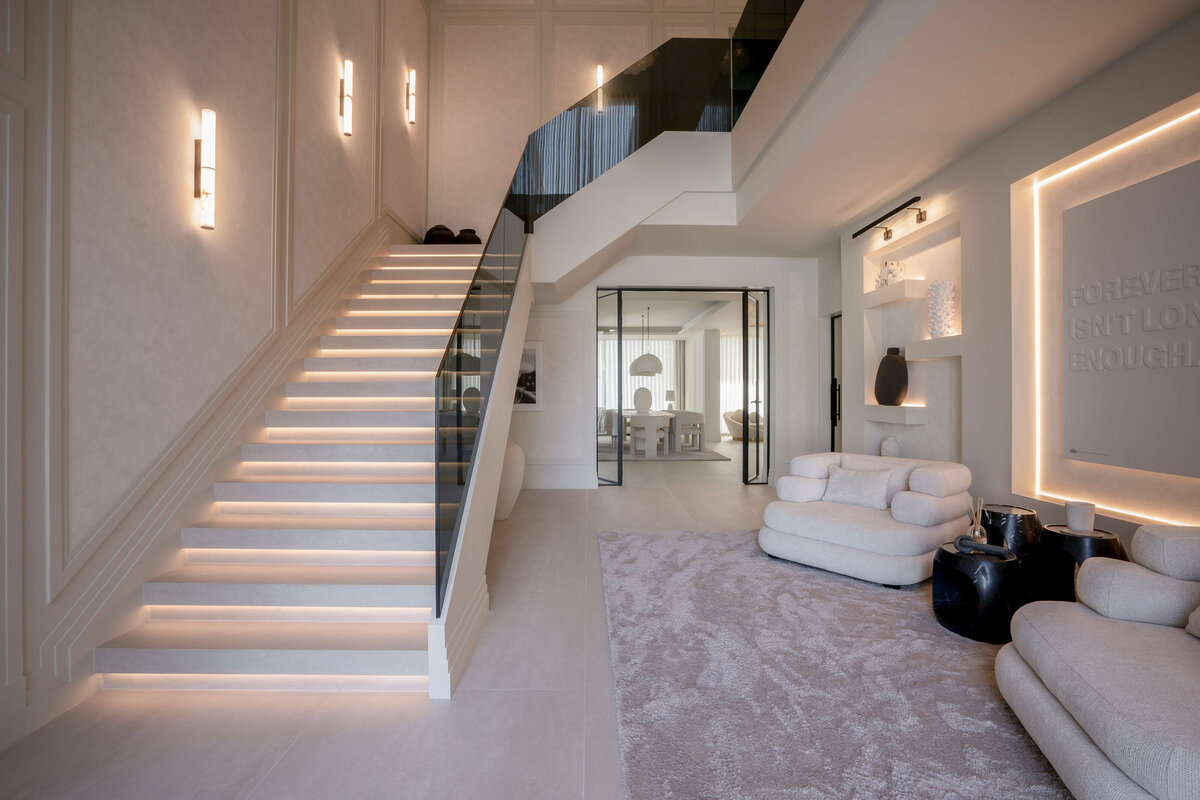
x: 741, y: 676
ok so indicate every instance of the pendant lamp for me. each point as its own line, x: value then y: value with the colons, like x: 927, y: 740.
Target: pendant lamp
x: 647, y: 363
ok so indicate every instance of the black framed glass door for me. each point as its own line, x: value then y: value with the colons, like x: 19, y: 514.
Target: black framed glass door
x: 755, y: 391
x: 609, y: 402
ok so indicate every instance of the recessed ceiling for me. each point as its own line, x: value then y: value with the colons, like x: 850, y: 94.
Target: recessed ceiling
x: 673, y: 313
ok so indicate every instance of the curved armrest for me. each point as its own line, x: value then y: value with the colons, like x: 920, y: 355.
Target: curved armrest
x: 926, y: 510
x: 1124, y: 590
x: 796, y: 489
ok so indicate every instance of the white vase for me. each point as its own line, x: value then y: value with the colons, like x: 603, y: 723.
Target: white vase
x: 889, y: 447
x: 512, y: 475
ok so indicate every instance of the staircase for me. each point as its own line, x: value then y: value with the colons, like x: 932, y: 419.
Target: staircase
x: 315, y: 569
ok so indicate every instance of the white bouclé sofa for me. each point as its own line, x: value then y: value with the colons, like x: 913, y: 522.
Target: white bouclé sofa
x: 1109, y: 687
x: 875, y: 518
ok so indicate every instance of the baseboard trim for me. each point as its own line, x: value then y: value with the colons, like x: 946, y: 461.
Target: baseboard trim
x: 12, y: 712
x: 559, y: 476
x: 448, y: 660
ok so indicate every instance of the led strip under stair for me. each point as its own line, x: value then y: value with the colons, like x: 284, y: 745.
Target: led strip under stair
x: 316, y: 567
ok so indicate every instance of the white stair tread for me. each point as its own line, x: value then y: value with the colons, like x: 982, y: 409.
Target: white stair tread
x: 228, y: 635
x: 372, y: 364
x: 388, y: 453
x: 353, y: 418
x: 298, y: 574
x: 307, y: 539
x: 417, y: 385
x: 389, y: 489
x: 316, y: 522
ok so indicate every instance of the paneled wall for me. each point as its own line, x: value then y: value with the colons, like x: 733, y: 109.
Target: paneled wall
x: 125, y: 325
x: 501, y: 69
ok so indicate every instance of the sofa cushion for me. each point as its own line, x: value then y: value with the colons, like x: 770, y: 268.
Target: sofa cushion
x: 926, y: 510
x: 940, y: 479
x: 900, y: 469
x: 1170, y: 549
x: 853, y: 526
x: 814, y: 465
x: 796, y: 489
x: 1193, y: 626
x: 857, y: 487
x: 1134, y: 688
x: 1124, y: 590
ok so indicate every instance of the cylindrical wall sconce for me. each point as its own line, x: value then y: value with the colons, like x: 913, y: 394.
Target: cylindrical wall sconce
x: 206, y: 168
x: 410, y: 100
x: 347, y: 104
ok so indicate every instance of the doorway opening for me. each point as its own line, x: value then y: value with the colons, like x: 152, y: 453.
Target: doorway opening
x: 683, y: 375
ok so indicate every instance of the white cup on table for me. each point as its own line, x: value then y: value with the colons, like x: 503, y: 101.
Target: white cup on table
x: 1081, y: 516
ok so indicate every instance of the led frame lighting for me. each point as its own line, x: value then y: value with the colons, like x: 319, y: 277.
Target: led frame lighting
x: 410, y: 98
x: 1038, y: 338
x: 206, y: 169
x: 346, y: 107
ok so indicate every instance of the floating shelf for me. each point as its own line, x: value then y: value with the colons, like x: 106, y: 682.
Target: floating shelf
x: 897, y: 415
x: 928, y: 349
x: 906, y: 291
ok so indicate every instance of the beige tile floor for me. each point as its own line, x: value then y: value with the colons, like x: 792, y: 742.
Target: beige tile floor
x: 533, y: 717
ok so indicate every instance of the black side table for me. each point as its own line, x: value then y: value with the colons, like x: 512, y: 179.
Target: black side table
x: 1059, y: 554
x: 973, y: 593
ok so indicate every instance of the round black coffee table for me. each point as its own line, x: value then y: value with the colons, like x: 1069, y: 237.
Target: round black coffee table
x: 1013, y: 527
x: 973, y: 593
x: 1059, y: 554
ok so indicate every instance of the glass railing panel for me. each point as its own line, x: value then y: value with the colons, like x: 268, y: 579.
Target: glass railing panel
x: 759, y: 31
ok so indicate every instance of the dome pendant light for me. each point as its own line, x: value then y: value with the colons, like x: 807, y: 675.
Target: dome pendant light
x: 646, y: 364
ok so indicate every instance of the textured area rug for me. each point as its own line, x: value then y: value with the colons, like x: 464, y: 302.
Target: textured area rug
x: 741, y: 676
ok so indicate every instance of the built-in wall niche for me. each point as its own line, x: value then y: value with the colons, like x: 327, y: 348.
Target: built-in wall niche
x: 929, y: 424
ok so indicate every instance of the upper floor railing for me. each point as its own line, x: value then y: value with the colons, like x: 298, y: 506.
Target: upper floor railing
x: 683, y: 85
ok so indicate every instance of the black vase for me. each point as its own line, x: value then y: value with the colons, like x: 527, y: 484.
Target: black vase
x: 439, y: 234
x: 891, y: 381
x: 467, y: 236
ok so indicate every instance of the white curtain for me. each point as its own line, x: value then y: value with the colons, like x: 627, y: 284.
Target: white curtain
x: 731, y: 375
x: 669, y: 352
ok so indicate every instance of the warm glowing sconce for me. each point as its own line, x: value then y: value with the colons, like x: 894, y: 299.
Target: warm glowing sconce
x: 410, y: 100
x: 347, y: 104
x: 206, y: 168
x: 600, y: 88
x: 887, y: 232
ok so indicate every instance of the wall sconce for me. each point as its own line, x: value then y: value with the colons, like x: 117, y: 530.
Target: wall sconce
x: 410, y: 100
x: 921, y: 214
x: 887, y: 232
x: 600, y: 88
x: 346, y: 108
x: 206, y: 168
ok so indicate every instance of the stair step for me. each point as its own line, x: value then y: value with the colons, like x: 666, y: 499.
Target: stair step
x: 368, y: 364
x: 311, y: 557
x: 316, y: 522
x: 367, y: 436
x: 379, y: 322
x: 382, y: 454
x: 415, y: 306
x: 434, y: 251
x: 292, y: 585
x: 349, y: 419
x: 401, y: 489
x: 402, y: 286
x: 267, y: 648
x: 387, y: 342
x: 308, y: 539
x: 462, y: 272
x: 399, y: 386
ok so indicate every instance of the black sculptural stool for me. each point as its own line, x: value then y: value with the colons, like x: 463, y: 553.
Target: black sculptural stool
x: 1061, y: 551
x: 973, y: 593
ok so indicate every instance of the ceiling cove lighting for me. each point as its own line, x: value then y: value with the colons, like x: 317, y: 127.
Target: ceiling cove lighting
x: 647, y: 363
x: 410, y: 97
x: 206, y: 168
x: 887, y: 232
x: 1039, y: 333
x: 346, y: 107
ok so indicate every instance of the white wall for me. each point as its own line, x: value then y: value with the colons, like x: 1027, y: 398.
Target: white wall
x: 559, y: 442
x: 500, y: 70
x: 977, y: 189
x: 126, y: 325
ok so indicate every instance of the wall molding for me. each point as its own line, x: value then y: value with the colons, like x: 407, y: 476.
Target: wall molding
x: 12, y: 47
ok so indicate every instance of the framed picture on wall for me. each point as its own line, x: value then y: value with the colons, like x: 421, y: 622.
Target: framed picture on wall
x: 529, y: 377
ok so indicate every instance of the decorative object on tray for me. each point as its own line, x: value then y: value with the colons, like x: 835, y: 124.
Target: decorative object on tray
x: 941, y: 308
x: 1081, y: 516
x: 439, y: 234
x: 976, y: 532
x: 889, y: 272
x: 467, y: 236
x: 889, y: 447
x: 891, y: 381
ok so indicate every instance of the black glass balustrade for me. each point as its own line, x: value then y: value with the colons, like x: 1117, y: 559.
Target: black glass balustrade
x: 683, y: 85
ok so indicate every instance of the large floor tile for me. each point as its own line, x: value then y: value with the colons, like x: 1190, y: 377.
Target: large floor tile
x: 135, y: 745
x: 602, y: 765
x: 484, y: 745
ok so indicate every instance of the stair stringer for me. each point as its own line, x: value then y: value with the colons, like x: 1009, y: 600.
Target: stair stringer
x: 452, y: 636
